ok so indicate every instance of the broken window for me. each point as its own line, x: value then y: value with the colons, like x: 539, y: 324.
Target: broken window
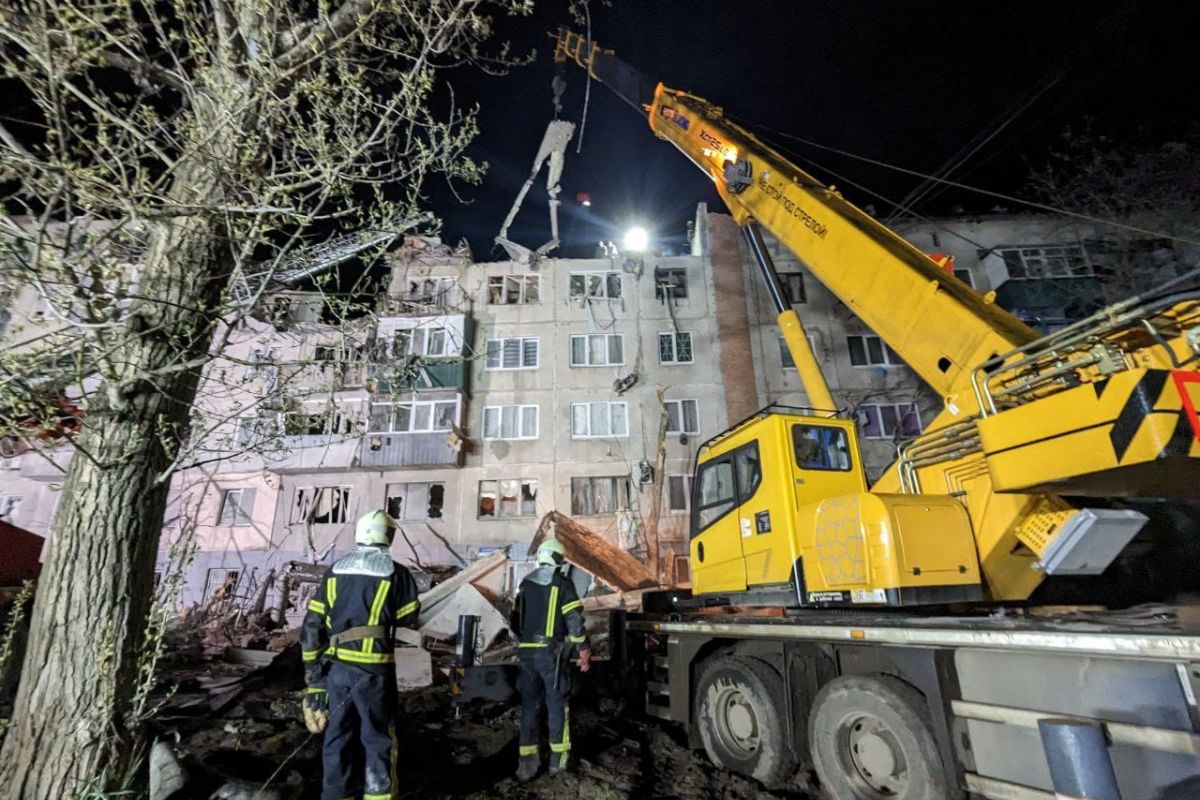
x: 886, y: 420
x: 306, y: 421
x: 870, y: 351
x: 599, y: 420
x: 256, y: 428
x: 675, y: 347
x: 602, y: 495
x: 221, y: 583
x: 793, y: 284
x: 683, y: 416
x: 325, y: 352
x: 415, y: 502
x: 321, y: 505
x: 677, y: 492
x: 510, y: 422
x: 515, y: 497
x: 965, y: 276
x: 670, y: 283
x: 237, y: 507
x: 512, y: 353
x: 597, y: 350
x: 1063, y: 261
x: 513, y: 289
x: 595, y: 285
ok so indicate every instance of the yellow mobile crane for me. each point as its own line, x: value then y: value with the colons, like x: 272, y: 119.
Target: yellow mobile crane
x: 973, y: 508
x: 988, y: 701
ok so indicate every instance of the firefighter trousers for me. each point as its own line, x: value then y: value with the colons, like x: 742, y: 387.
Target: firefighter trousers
x: 362, y: 720
x: 545, y: 683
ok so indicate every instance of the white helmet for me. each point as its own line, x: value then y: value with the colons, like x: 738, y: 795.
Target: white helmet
x: 551, y: 552
x: 375, y: 527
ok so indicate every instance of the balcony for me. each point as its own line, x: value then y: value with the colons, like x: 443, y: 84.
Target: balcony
x: 389, y: 450
x: 416, y: 373
x: 297, y: 454
x: 438, y: 299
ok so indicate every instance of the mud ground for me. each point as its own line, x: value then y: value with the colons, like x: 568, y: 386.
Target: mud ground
x: 261, y: 742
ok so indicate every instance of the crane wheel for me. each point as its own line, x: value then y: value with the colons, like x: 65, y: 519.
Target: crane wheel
x: 739, y: 710
x: 871, y: 739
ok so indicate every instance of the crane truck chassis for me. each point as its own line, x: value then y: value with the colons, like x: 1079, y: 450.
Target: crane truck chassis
x: 891, y: 706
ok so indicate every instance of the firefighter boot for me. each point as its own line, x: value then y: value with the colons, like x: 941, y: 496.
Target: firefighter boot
x: 528, y: 768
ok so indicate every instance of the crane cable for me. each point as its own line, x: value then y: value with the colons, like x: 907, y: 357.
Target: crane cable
x: 967, y: 187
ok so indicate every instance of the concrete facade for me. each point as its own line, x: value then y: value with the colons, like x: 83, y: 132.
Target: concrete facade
x: 481, y: 396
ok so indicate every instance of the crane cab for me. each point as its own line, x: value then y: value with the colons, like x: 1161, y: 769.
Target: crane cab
x: 781, y: 515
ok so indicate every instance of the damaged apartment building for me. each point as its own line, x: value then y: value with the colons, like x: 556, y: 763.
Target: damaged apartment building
x: 481, y: 396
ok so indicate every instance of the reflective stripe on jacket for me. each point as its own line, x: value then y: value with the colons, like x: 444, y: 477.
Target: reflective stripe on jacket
x: 548, y: 611
x: 364, y: 588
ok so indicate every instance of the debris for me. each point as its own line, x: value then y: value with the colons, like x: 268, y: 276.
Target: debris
x: 553, y: 148
x: 467, y: 600
x: 414, y: 668
x: 593, y: 553
x: 630, y: 601
x: 167, y: 775
x: 249, y: 657
x: 482, y: 571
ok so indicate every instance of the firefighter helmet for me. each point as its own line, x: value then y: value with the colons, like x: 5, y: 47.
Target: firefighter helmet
x: 551, y: 552
x: 375, y: 527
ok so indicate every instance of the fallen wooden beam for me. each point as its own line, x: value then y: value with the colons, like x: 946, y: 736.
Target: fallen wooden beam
x: 593, y: 553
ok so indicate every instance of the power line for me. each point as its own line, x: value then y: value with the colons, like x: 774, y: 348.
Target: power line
x: 986, y: 192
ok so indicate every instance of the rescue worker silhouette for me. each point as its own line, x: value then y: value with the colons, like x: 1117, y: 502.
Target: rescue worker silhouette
x: 548, y: 618
x: 349, y: 656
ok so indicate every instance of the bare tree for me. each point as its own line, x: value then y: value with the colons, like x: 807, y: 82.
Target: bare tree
x: 1145, y: 187
x: 210, y: 139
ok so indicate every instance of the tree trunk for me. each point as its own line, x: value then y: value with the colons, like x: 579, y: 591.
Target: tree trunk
x: 71, y: 721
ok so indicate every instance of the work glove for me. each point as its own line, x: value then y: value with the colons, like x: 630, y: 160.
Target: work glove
x: 316, y: 708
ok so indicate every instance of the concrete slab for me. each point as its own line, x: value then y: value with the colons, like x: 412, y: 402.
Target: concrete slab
x: 466, y: 600
x: 414, y: 668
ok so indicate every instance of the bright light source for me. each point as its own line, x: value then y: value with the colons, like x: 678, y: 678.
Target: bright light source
x: 637, y: 240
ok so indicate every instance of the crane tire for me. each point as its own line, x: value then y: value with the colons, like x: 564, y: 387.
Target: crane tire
x: 739, y: 709
x: 871, y: 739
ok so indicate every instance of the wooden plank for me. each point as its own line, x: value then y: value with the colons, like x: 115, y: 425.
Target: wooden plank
x: 592, y: 552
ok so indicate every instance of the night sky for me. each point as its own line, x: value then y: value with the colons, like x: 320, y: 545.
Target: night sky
x: 909, y: 83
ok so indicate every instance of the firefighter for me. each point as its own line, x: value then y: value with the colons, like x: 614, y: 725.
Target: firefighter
x: 349, y: 661
x: 549, y: 620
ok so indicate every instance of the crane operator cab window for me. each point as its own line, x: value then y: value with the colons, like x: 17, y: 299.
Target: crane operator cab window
x: 821, y: 448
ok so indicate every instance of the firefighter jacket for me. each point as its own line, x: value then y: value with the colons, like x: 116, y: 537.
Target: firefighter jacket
x: 548, y: 611
x: 360, y: 601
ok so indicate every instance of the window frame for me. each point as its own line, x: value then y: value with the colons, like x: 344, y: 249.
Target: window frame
x: 587, y: 337
x: 883, y: 435
x: 847, y: 441
x: 611, y: 404
x: 604, y: 276
x: 496, y: 515
x: 740, y: 496
x: 316, y: 491
x: 674, y: 338
x: 388, y: 495
x: 1022, y: 256
x: 785, y: 355
x: 241, y: 517
x: 786, y: 278
x: 687, y: 493
x: 524, y: 341
x: 890, y: 357
x: 412, y: 416
x: 621, y: 504
x: 660, y: 288
x: 524, y: 281
x: 520, y: 407
x: 681, y: 416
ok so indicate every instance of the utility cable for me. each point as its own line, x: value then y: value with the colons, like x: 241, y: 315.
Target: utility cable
x: 587, y: 87
x: 986, y: 192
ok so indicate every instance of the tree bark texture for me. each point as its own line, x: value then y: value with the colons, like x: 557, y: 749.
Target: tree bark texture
x: 71, y: 718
